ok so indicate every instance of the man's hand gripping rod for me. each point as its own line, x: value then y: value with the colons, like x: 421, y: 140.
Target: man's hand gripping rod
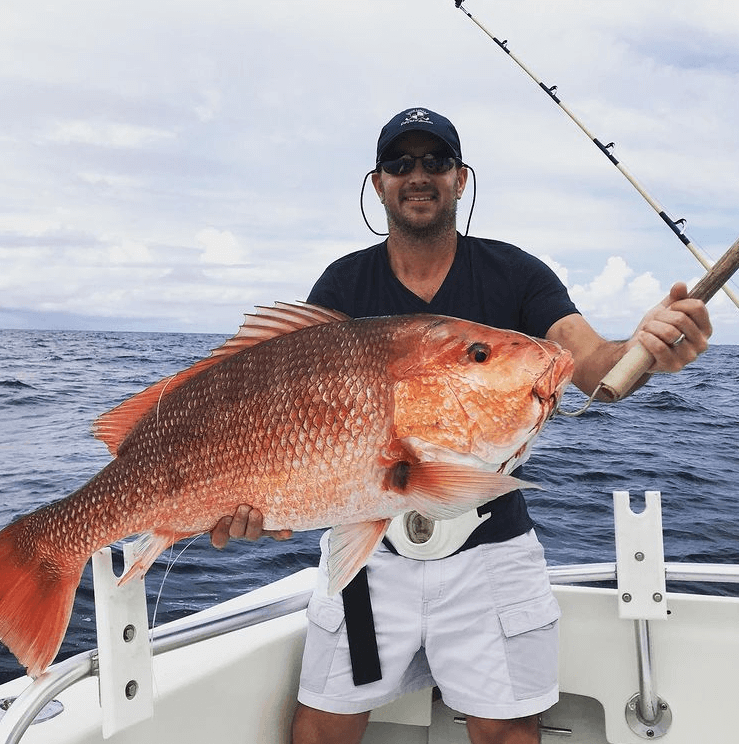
x: 638, y: 360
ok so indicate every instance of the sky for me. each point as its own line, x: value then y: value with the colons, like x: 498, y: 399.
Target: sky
x: 169, y: 165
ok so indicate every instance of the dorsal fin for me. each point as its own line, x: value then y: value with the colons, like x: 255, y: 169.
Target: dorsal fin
x: 268, y: 322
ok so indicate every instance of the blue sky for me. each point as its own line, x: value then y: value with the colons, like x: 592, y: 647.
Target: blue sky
x: 169, y: 165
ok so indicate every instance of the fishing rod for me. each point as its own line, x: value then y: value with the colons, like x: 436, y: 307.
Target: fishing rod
x: 677, y: 226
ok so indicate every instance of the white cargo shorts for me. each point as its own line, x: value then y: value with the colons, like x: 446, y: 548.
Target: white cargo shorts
x: 482, y: 625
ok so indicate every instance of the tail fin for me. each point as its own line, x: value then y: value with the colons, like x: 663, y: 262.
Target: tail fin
x: 36, y: 598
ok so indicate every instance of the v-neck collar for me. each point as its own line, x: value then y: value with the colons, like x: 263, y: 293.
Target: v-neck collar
x: 441, y: 292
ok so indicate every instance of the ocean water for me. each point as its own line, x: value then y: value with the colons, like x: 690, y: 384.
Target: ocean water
x: 677, y: 435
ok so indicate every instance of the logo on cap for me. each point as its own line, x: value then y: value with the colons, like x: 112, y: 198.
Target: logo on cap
x: 415, y: 116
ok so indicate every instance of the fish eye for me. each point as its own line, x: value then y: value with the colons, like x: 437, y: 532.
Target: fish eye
x: 479, y: 352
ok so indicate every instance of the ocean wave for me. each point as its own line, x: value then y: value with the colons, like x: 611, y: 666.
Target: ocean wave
x: 15, y: 385
x: 667, y: 400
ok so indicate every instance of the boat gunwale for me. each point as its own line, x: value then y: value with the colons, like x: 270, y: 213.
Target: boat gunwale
x: 205, y: 624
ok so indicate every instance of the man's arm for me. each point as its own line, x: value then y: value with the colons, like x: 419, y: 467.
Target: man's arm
x: 676, y: 315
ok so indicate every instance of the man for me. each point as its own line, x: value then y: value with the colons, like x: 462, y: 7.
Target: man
x: 454, y: 620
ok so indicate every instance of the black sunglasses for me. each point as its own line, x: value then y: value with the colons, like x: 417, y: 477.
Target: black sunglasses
x: 433, y: 164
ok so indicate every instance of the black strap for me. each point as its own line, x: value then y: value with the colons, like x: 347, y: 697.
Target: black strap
x: 360, y: 630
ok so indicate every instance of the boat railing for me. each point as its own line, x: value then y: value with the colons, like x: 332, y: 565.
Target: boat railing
x: 586, y: 573
x: 31, y: 702
x: 42, y: 691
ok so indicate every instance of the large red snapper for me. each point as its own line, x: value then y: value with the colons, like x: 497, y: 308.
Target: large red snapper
x: 315, y: 419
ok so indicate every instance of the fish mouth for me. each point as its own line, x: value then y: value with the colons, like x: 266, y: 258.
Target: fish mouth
x: 551, y: 384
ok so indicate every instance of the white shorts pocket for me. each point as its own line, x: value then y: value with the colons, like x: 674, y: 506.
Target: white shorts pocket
x: 325, y: 622
x: 531, y: 640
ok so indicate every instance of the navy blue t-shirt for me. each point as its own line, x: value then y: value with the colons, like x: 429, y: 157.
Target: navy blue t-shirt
x: 489, y: 282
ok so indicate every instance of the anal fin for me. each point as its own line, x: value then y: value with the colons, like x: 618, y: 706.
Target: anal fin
x: 147, y: 548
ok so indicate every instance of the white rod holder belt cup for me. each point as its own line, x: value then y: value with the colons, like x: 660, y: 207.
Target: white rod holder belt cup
x: 642, y: 597
x: 124, y: 651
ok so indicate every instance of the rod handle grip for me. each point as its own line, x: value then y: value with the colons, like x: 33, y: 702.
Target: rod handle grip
x: 632, y: 365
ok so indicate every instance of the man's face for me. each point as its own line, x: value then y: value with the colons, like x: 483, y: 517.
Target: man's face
x: 418, y: 203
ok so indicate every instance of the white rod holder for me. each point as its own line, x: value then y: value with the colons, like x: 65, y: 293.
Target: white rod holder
x: 124, y: 651
x: 642, y: 597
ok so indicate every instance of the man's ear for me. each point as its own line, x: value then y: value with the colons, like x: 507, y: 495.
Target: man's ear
x: 462, y: 175
x: 377, y: 183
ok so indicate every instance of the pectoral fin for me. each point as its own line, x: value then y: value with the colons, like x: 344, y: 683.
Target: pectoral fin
x: 350, y: 546
x: 440, y: 490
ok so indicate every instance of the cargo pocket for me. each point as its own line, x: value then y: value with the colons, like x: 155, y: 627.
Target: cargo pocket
x: 326, y: 619
x: 531, y: 641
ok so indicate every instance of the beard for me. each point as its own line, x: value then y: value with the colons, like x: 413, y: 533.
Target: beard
x: 445, y: 221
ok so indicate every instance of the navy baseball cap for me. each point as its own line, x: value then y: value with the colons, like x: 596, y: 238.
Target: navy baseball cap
x: 418, y: 120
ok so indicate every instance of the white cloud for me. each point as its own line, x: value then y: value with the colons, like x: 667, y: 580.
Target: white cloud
x: 560, y: 270
x: 106, y: 181
x: 130, y: 252
x: 616, y: 299
x: 604, y: 287
x: 645, y: 291
x: 208, y: 109
x: 107, y: 134
x: 219, y: 247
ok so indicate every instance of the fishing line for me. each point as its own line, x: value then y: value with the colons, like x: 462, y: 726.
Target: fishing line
x: 677, y: 226
x: 161, y: 395
x: 170, y: 566
x: 361, y: 206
